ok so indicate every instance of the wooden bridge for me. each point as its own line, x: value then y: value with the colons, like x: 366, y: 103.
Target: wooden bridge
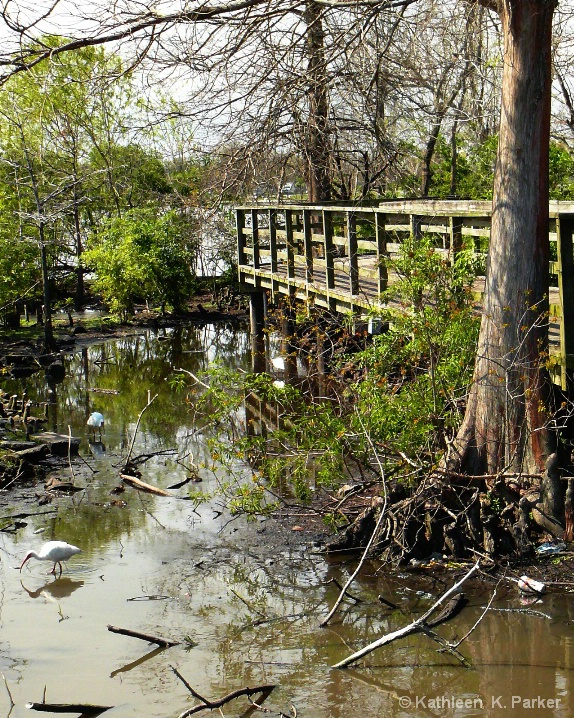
x: 332, y: 254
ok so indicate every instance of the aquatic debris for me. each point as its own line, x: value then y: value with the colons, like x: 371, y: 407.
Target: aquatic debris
x: 529, y: 585
x: 142, y: 486
x: 163, y: 642
x: 550, y: 548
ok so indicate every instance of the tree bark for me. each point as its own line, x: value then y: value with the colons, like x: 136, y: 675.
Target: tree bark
x: 506, y: 422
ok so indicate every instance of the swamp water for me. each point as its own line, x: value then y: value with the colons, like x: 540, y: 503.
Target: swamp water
x: 249, y: 598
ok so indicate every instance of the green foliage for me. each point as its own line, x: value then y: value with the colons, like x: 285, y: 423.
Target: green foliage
x: 475, y: 169
x: 561, y: 171
x: 143, y: 255
x: 418, y: 371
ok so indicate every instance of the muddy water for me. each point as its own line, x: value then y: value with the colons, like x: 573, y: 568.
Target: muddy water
x: 243, y: 601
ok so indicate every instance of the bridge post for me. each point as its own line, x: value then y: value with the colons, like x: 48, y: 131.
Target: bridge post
x: 273, y: 239
x: 289, y: 244
x: 257, y: 313
x: 353, y: 252
x: 308, y: 245
x: 329, y: 250
x: 240, y: 226
x: 382, y: 253
x: 565, y: 232
x: 455, y: 236
x: 255, y: 238
x: 288, y: 349
x: 416, y: 221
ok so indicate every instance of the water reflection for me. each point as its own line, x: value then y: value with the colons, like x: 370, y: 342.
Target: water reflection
x: 56, y: 589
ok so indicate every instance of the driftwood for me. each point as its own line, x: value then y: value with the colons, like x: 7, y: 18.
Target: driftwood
x: 417, y: 626
x: 142, y: 486
x: 143, y: 636
x: 84, y: 708
x: 210, y: 705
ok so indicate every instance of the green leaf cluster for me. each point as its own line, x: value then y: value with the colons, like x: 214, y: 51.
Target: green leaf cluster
x: 142, y: 256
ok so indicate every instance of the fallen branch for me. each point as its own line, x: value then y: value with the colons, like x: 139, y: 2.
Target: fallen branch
x: 143, y: 636
x: 142, y: 486
x: 415, y: 627
x: 210, y: 705
x: 12, y: 704
x: 142, y: 458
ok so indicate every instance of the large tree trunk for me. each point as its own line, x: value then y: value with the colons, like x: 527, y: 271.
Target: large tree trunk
x: 506, y: 422
x: 318, y: 141
x: 49, y: 343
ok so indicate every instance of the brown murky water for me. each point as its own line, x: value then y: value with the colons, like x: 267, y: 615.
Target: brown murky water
x: 250, y: 600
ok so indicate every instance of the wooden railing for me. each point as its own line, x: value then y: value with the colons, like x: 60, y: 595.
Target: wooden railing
x: 333, y: 254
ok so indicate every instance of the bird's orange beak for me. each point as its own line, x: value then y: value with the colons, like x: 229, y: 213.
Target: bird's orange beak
x: 26, y: 558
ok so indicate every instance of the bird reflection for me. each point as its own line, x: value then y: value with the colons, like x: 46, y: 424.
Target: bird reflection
x: 98, y: 448
x: 56, y: 589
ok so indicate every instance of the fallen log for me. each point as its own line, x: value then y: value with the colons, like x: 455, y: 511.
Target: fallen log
x: 143, y: 636
x: 84, y: 708
x: 142, y: 486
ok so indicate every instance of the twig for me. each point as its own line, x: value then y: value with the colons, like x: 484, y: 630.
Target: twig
x: 143, y: 636
x: 483, y: 614
x: 249, y: 606
x: 195, y: 378
x: 149, y: 402
x: 70, y: 453
x: 413, y: 627
x: 12, y: 704
x: 382, y: 515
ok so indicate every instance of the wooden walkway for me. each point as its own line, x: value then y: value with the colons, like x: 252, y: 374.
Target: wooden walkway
x: 330, y: 255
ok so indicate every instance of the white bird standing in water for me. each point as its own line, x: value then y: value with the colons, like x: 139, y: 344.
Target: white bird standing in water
x: 54, y: 551
x: 96, y: 421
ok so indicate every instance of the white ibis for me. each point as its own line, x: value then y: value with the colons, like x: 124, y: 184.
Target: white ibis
x: 54, y: 551
x: 96, y: 421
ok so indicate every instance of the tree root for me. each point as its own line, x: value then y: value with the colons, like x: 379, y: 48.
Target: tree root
x: 456, y: 518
